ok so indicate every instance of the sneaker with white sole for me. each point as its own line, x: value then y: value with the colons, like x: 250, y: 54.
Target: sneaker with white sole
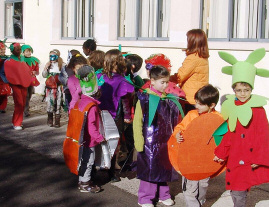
x: 86, y: 187
x: 17, y: 127
x: 146, y: 205
x: 167, y: 202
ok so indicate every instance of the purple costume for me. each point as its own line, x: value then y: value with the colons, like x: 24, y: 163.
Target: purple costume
x: 112, y: 91
x: 153, y: 163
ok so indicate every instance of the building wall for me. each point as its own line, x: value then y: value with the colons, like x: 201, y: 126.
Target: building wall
x: 42, y: 30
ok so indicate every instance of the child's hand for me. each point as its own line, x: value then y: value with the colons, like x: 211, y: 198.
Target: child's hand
x: 253, y: 166
x: 216, y: 159
x: 47, y: 66
x: 128, y: 121
x: 179, y: 137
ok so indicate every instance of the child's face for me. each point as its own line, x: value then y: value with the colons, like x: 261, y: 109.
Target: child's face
x: 2, y: 51
x: 203, y: 108
x: 160, y: 84
x: 86, y: 51
x: 27, y: 53
x: 53, y: 57
x: 242, y: 92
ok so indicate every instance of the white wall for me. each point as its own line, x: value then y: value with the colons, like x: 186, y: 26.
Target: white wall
x: 42, y: 30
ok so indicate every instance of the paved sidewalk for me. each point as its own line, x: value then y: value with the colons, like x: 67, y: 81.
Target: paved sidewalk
x: 39, y: 140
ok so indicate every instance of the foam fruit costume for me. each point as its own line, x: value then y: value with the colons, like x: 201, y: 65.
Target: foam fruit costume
x: 33, y: 64
x: 17, y: 72
x: 193, y: 158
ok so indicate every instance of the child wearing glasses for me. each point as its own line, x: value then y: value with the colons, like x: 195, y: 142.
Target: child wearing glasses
x: 245, y: 147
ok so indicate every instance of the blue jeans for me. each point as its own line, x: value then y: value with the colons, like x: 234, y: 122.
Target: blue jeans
x: 86, y: 163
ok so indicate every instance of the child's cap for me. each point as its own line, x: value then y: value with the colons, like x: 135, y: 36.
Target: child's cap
x: 2, y: 43
x: 24, y: 47
x: 158, y: 59
x: 13, y: 45
x: 244, y: 71
x: 88, y: 80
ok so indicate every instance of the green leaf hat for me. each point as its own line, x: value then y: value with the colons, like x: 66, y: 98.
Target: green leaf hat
x: 244, y: 71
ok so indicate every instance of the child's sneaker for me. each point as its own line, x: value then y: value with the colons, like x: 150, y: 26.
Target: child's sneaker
x: 88, y: 187
x: 168, y: 202
x: 146, y: 205
x: 17, y: 127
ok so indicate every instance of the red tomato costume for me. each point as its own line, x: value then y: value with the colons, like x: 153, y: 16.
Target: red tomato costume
x: 243, y: 147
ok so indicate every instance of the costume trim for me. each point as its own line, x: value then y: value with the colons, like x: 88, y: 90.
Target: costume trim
x: 243, y: 112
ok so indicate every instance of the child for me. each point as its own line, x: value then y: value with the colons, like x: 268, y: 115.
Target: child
x: 245, y: 146
x: 18, y: 75
x: 154, y: 120
x: 96, y: 60
x: 53, y: 87
x: 91, y: 135
x: 116, y: 91
x: 194, y: 72
x: 64, y: 75
x: 89, y: 46
x: 33, y: 64
x: 206, y: 99
x: 73, y: 83
x: 161, y: 59
x: 133, y: 64
x: 4, y: 87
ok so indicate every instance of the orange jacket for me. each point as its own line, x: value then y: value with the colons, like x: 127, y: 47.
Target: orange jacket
x: 192, y: 75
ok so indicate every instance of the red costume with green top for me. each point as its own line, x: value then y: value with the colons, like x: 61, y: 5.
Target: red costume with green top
x: 19, y: 77
x: 244, y: 146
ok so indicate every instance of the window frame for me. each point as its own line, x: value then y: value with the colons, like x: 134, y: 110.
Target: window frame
x: 8, y: 2
x: 91, y: 20
x: 261, y: 12
x: 137, y: 27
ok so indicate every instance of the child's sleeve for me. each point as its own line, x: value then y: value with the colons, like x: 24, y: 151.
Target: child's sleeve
x: 36, y: 68
x: 186, y: 70
x: 44, y: 73
x: 137, y: 128
x: 181, y: 127
x: 124, y: 88
x: 127, y: 101
x: 93, y: 129
x: 260, y: 150
x: 223, y: 150
x: 63, y: 77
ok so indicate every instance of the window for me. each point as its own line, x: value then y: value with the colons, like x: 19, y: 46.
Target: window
x: 13, y: 19
x: 77, y: 19
x: 236, y: 20
x: 144, y: 19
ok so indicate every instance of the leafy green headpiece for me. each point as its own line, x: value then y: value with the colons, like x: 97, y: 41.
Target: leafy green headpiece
x: 24, y: 47
x: 244, y: 71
